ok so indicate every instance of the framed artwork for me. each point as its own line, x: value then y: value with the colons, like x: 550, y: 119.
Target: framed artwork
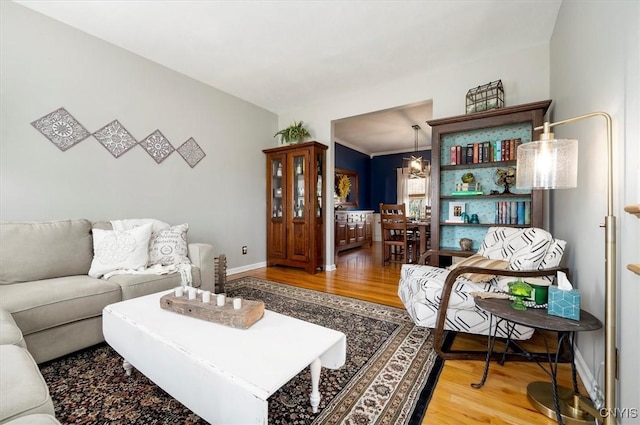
x: 455, y: 211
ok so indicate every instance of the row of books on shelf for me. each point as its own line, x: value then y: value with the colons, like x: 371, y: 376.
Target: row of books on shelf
x: 476, y: 153
x: 513, y: 212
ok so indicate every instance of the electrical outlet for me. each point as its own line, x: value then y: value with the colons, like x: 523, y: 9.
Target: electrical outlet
x: 244, y: 250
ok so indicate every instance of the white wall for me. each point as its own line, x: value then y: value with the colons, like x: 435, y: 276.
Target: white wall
x: 595, y: 67
x: 46, y: 65
x: 524, y: 74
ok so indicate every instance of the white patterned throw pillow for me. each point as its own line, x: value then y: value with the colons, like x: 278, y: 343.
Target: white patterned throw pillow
x: 523, y: 248
x: 120, y: 250
x: 169, y: 246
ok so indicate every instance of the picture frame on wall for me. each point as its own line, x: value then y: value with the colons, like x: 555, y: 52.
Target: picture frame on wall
x: 456, y: 209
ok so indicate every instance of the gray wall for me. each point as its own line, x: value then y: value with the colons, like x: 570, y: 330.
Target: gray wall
x: 46, y: 65
x: 595, y: 67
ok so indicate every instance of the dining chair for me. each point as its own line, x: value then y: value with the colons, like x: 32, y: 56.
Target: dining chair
x: 399, y: 244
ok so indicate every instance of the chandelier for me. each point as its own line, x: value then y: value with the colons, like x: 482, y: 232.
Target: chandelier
x: 416, y: 164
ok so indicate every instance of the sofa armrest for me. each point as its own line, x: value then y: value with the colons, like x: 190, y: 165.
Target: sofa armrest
x: 203, y: 257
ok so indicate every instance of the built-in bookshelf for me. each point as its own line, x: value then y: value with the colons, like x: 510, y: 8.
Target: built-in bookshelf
x: 481, y: 144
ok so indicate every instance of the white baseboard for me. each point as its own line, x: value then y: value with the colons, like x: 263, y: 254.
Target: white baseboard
x: 590, y: 382
x: 246, y: 268
x: 249, y: 267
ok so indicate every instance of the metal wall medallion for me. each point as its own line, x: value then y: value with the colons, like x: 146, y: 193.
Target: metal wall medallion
x: 191, y: 152
x: 157, y: 146
x: 115, y: 138
x: 61, y: 129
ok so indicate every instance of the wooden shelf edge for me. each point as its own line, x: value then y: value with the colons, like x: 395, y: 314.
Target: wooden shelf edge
x: 543, y: 104
x: 485, y: 225
x: 479, y: 165
x: 495, y: 197
x: 633, y: 209
x: 634, y: 268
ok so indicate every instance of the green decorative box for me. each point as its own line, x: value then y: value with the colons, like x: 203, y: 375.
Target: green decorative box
x: 564, y: 303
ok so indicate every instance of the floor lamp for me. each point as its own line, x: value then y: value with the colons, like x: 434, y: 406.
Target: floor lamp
x: 553, y: 164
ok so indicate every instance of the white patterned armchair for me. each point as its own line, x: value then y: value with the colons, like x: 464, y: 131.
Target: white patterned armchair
x: 442, y: 298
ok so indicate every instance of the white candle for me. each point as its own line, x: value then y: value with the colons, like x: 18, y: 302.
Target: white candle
x: 222, y: 299
x: 237, y: 303
x: 192, y: 293
x: 206, y: 296
x: 179, y: 292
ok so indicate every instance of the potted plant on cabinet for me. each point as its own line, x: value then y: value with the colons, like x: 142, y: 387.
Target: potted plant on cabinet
x: 293, y: 134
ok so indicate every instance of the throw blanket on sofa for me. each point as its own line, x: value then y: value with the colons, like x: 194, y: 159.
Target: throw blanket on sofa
x: 184, y: 269
x: 157, y: 226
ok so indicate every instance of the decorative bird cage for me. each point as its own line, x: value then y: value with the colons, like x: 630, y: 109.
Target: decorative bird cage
x: 485, y: 97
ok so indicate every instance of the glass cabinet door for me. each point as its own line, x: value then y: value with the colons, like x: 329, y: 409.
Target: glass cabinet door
x: 319, y: 167
x: 298, y: 186
x: 277, y: 179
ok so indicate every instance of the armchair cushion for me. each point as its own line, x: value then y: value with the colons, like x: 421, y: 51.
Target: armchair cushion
x: 425, y: 283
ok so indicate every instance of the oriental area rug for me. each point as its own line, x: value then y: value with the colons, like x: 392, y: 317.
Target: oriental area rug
x: 390, y: 372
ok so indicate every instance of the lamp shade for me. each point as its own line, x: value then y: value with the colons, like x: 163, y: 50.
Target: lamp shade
x: 547, y: 164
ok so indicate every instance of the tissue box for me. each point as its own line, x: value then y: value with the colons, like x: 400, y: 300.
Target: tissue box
x: 564, y: 303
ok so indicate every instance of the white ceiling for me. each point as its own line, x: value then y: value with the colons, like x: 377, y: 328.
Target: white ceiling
x: 281, y: 54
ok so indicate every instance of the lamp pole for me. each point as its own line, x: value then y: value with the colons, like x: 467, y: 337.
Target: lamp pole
x: 611, y: 351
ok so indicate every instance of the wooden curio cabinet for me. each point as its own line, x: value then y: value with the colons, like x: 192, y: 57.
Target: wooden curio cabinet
x: 296, y: 205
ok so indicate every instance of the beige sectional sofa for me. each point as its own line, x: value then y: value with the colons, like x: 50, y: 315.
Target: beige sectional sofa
x: 50, y: 305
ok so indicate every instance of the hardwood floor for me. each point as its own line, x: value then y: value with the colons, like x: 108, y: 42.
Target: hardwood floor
x: 502, y: 400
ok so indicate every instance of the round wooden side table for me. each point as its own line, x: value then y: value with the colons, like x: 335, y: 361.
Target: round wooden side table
x: 560, y: 404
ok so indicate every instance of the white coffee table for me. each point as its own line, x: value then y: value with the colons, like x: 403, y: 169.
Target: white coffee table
x: 223, y: 374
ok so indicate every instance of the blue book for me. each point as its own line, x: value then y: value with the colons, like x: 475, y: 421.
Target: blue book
x: 497, y: 150
x: 527, y: 212
x: 521, y: 212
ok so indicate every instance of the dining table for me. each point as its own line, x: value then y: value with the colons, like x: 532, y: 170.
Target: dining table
x: 422, y: 227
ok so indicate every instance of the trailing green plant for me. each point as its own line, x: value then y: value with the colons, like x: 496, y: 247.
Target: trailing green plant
x: 295, y: 133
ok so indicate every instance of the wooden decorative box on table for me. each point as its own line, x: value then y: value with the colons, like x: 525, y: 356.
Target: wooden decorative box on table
x: 242, y: 318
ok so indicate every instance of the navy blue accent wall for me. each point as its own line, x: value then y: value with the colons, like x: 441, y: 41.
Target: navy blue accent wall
x: 376, y: 176
x: 360, y: 163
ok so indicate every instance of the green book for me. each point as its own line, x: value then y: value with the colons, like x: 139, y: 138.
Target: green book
x: 467, y: 192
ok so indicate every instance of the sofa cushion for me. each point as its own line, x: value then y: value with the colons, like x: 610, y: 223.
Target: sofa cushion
x: 36, y: 251
x: 120, y: 250
x: 137, y: 285
x: 23, y: 388
x: 44, y: 304
x: 10, y: 332
x: 37, y: 419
